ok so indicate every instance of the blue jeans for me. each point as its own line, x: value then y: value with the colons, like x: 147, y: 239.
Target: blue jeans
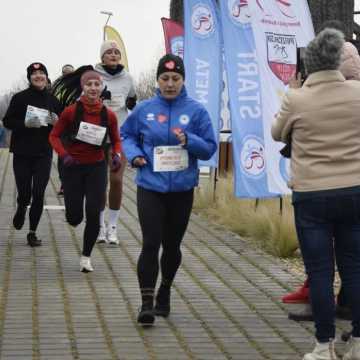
x: 328, y: 229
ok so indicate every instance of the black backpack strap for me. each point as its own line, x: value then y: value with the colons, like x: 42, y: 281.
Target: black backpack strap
x: 69, y: 136
x: 104, y: 122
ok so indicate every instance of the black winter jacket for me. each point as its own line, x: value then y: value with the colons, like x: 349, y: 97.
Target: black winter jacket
x: 30, y: 141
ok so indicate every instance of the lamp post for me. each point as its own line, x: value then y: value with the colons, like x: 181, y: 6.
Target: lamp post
x: 109, y: 14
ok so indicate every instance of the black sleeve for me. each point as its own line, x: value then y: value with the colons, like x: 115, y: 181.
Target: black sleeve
x: 131, y: 102
x: 13, y: 119
x: 58, y: 108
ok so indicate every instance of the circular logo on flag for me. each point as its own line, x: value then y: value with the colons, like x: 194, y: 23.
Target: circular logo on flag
x: 177, y: 46
x: 286, y: 8
x: 252, y: 157
x: 184, y: 119
x: 202, y: 20
x: 239, y: 12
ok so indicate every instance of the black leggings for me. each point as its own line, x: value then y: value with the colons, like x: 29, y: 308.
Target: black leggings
x: 85, y: 182
x: 32, y: 175
x: 163, y: 219
x: 60, y: 167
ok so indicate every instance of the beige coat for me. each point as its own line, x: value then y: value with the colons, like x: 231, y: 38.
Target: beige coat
x: 323, y: 117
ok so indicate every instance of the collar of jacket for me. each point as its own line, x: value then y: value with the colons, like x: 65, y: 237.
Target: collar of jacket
x: 91, y: 108
x: 183, y: 94
x: 113, y: 71
x: 44, y: 91
x: 324, y: 76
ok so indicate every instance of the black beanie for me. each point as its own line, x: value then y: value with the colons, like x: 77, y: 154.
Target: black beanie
x: 170, y: 62
x: 36, y: 66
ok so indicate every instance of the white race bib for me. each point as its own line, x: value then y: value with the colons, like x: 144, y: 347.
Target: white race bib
x: 116, y: 103
x: 170, y: 158
x: 90, y: 133
x: 41, y: 114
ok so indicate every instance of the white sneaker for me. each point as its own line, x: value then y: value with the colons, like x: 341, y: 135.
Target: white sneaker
x: 85, y: 264
x: 322, y: 351
x: 112, y: 236
x: 352, y: 349
x: 102, y: 235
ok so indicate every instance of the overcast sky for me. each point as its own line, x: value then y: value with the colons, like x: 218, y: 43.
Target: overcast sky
x: 70, y: 31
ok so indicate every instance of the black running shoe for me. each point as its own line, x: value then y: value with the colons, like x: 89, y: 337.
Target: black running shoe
x: 345, y: 336
x: 146, y: 316
x: 303, y: 315
x: 19, y: 217
x: 32, y: 240
x: 162, y: 304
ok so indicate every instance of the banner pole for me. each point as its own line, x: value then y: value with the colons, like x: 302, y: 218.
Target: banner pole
x: 214, y: 176
x: 257, y: 200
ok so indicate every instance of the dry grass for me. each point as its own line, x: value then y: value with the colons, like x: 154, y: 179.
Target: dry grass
x: 264, y: 224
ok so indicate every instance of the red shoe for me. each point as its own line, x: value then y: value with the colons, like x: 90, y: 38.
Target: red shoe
x: 300, y: 296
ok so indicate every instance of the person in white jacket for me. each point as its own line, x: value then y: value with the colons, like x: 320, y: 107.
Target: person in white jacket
x: 119, y: 95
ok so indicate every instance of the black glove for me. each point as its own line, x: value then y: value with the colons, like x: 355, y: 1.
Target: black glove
x: 106, y: 94
x: 131, y: 102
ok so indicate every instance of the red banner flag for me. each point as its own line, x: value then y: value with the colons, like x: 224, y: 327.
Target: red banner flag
x: 174, y: 37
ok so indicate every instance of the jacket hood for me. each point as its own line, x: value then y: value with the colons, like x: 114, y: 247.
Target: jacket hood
x: 106, y: 76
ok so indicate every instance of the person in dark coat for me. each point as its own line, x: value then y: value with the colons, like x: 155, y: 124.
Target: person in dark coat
x: 30, y: 116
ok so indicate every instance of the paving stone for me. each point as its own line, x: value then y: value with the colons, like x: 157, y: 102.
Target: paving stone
x: 225, y: 302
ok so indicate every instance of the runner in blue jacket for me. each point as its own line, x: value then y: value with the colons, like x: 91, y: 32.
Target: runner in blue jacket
x: 163, y: 138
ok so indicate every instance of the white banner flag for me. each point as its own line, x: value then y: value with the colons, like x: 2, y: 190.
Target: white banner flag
x: 279, y: 26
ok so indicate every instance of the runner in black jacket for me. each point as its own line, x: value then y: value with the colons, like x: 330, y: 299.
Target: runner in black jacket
x: 30, y: 116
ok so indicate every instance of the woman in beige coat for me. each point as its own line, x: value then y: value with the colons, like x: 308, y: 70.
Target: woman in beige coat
x: 323, y: 119
x: 350, y: 68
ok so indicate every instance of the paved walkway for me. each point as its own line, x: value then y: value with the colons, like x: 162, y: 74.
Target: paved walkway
x: 225, y: 302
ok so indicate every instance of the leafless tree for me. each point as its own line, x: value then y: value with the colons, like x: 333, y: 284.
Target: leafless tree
x: 145, y: 85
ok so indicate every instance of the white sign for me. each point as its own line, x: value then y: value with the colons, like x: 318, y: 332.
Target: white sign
x: 90, y: 133
x: 170, y: 158
x: 116, y: 103
x: 35, y: 112
x: 279, y: 26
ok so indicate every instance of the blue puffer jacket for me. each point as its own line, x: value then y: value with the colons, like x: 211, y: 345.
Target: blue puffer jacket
x: 151, y: 124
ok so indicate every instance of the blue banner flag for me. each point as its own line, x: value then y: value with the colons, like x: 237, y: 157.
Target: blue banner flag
x: 245, y: 100
x: 202, y: 58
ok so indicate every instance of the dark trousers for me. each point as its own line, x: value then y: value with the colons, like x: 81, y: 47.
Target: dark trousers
x: 60, y: 167
x: 85, y: 183
x: 32, y: 176
x: 328, y: 228
x: 163, y: 219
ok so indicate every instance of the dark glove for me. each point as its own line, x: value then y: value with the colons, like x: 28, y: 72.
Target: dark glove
x: 115, y: 162
x: 106, y: 94
x: 138, y: 162
x: 131, y: 102
x: 68, y: 160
